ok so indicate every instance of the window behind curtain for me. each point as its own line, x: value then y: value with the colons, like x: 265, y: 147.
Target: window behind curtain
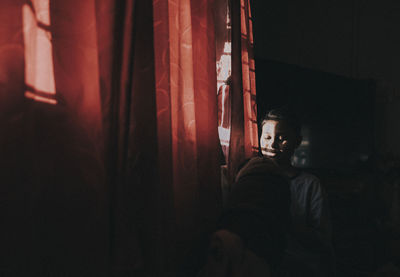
x: 39, y: 69
x: 224, y: 69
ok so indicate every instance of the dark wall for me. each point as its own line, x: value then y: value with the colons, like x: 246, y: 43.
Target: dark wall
x: 351, y: 38
x: 338, y: 63
x: 336, y: 112
x: 355, y: 39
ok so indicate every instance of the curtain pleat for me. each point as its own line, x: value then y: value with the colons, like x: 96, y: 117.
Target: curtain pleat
x: 187, y: 115
x: 248, y: 79
x: 122, y: 172
x: 244, y: 137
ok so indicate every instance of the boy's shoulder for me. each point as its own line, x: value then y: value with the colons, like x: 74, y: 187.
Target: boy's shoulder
x: 306, y: 179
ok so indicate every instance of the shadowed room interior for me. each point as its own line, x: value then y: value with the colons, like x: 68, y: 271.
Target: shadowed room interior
x: 337, y: 64
x: 124, y: 123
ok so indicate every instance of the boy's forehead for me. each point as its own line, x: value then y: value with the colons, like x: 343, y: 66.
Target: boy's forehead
x: 277, y: 126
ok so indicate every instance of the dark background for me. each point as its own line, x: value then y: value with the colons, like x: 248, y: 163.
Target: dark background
x: 325, y: 40
x: 336, y: 63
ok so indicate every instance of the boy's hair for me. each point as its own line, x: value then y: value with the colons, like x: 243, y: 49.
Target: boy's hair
x: 284, y: 114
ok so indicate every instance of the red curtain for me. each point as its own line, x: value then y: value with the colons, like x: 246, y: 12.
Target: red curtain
x: 248, y: 80
x: 117, y: 170
x: 187, y: 113
x: 54, y: 202
x: 244, y: 137
x: 163, y: 142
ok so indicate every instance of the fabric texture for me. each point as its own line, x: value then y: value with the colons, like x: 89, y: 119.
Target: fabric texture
x: 244, y: 132
x: 119, y: 172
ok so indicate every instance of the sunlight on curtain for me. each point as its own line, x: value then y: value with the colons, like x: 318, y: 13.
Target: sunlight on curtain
x: 39, y: 70
x: 244, y: 137
x: 185, y: 73
x: 249, y: 81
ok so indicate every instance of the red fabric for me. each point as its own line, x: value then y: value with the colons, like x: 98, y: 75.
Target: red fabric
x: 187, y: 112
x: 52, y: 163
x: 127, y: 67
x: 244, y: 137
x: 249, y: 81
x: 123, y: 171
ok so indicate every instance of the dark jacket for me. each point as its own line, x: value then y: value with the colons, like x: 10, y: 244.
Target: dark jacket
x: 258, y: 209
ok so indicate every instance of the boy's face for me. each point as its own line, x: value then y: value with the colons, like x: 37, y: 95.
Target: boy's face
x: 278, y: 141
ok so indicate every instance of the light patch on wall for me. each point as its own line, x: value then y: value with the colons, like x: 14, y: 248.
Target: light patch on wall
x: 223, y: 73
x: 224, y: 135
x: 39, y: 69
x: 224, y: 65
x: 224, y: 70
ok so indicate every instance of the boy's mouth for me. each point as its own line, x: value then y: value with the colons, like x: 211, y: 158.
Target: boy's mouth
x: 269, y: 153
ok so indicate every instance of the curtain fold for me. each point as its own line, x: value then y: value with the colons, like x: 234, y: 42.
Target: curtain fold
x: 244, y: 133
x: 61, y: 153
x: 187, y: 114
x: 118, y: 171
x: 127, y: 85
x: 248, y: 80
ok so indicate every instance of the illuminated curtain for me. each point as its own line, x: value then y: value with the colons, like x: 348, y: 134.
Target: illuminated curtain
x: 244, y: 138
x: 39, y: 69
x: 161, y: 119
x: 52, y: 169
x: 117, y: 134
x: 187, y: 112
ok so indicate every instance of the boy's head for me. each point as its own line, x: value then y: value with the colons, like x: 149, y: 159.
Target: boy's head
x: 280, y: 135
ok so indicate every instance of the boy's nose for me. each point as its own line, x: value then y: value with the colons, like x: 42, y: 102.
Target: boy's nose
x: 274, y: 143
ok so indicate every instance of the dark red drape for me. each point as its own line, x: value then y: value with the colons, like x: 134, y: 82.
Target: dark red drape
x: 53, y: 176
x: 187, y: 114
x: 119, y: 170
x: 244, y: 138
